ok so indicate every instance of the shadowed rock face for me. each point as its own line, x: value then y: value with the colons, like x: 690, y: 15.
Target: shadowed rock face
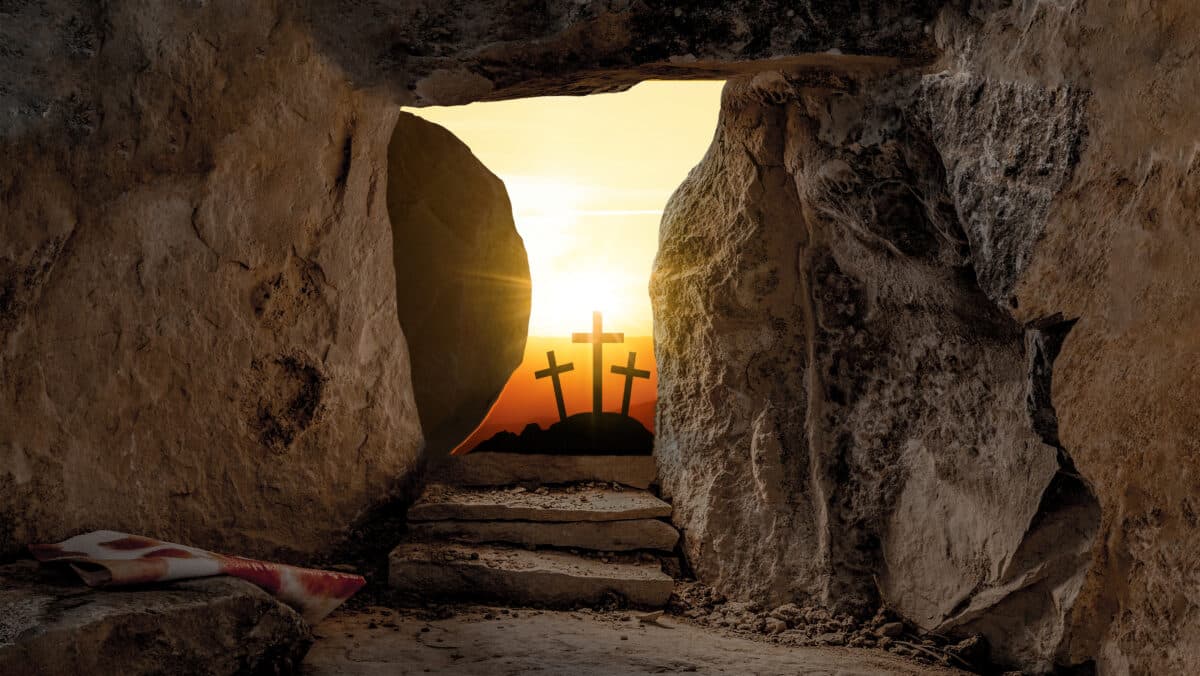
x: 212, y: 626
x: 1116, y: 249
x: 432, y: 52
x: 851, y: 389
x: 1006, y: 248
x: 462, y: 278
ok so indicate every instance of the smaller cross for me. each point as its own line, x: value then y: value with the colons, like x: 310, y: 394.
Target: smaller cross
x: 630, y: 373
x: 553, y: 372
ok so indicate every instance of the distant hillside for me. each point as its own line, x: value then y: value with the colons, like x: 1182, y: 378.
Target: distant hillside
x: 527, y: 400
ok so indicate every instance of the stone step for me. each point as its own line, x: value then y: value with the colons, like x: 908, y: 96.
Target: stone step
x: 569, y: 503
x: 507, y: 469
x: 519, y: 576
x: 603, y: 536
x: 52, y: 624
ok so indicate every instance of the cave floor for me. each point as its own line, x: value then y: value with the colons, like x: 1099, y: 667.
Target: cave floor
x: 493, y: 641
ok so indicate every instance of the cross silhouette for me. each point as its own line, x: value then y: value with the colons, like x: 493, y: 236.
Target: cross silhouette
x: 553, y: 372
x: 630, y: 373
x: 597, y: 338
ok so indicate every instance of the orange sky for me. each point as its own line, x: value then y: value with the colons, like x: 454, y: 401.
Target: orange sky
x: 588, y: 178
x: 526, y: 399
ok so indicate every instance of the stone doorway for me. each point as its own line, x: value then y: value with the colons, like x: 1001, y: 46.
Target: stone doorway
x: 552, y: 498
x: 587, y: 179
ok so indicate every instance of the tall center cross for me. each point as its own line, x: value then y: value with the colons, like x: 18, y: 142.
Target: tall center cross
x: 597, y: 338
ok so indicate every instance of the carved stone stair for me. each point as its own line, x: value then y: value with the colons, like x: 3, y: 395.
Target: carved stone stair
x: 473, y: 534
x: 519, y: 576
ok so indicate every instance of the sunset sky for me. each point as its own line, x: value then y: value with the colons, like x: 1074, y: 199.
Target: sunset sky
x: 588, y: 178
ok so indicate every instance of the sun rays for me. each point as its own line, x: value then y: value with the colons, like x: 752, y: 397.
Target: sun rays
x: 587, y: 179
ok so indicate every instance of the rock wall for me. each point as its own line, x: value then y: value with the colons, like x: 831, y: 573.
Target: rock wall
x: 198, y: 309
x: 432, y: 52
x: 851, y: 388
x: 932, y: 337
x: 1117, y: 251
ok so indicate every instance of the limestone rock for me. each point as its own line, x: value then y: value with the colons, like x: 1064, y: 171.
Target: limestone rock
x: 217, y: 626
x: 198, y: 308
x: 570, y: 503
x: 521, y: 576
x: 437, y: 54
x: 865, y: 406
x: 198, y: 339
x: 462, y: 278
x: 1116, y: 253
x: 604, y: 536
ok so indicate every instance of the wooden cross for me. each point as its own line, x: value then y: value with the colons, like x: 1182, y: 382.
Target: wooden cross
x: 630, y: 373
x: 597, y: 338
x: 553, y: 373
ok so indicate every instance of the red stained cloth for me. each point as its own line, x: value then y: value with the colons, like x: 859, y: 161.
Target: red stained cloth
x: 107, y: 558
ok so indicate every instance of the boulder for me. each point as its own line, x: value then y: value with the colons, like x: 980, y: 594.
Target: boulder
x: 462, y: 278
x: 215, y: 626
x: 882, y: 428
x: 198, y: 339
x: 199, y: 329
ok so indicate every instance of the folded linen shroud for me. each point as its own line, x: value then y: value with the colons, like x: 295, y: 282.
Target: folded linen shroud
x: 108, y: 558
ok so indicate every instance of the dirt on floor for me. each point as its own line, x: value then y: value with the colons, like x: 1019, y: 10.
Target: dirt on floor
x: 504, y: 641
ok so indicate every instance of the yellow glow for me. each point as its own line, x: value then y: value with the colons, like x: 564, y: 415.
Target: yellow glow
x: 588, y: 178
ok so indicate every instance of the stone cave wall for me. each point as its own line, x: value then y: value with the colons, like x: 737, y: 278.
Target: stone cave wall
x: 199, y: 335
x: 1115, y: 248
x: 852, y: 390
x: 205, y: 313
x: 929, y: 339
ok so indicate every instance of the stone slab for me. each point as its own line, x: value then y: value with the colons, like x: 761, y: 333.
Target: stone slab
x: 506, y: 469
x: 570, y: 503
x: 52, y: 624
x: 484, y: 572
x: 604, y: 536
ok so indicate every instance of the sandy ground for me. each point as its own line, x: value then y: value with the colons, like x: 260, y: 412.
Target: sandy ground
x: 494, y: 642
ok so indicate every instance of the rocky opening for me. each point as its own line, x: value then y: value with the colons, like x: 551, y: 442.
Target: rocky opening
x: 853, y: 295
x: 884, y: 387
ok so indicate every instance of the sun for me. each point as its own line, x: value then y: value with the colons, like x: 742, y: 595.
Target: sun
x: 571, y: 267
x: 565, y: 303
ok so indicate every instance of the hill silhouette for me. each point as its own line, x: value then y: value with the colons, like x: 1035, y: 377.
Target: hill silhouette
x: 526, y: 399
x: 580, y: 434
